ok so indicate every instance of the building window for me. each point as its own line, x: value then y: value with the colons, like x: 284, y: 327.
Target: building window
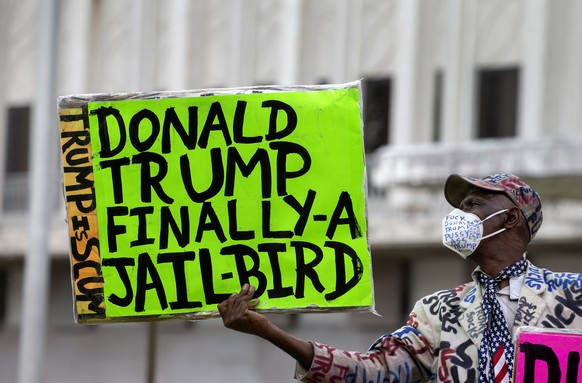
x: 17, y: 151
x: 18, y: 135
x: 498, y: 103
x: 376, y: 111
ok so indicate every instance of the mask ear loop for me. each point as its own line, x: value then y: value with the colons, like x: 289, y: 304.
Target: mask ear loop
x: 495, y: 232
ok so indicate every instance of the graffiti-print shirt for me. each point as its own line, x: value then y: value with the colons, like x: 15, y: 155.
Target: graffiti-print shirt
x: 440, y: 341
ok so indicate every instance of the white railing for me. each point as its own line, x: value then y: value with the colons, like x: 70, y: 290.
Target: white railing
x: 405, y: 196
x: 16, y: 192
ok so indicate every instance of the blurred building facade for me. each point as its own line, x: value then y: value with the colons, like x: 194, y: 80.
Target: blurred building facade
x: 472, y: 87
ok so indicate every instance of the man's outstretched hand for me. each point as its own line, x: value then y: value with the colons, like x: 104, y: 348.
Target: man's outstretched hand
x: 237, y: 313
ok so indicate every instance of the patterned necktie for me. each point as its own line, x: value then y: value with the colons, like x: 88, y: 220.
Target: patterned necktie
x: 496, y: 346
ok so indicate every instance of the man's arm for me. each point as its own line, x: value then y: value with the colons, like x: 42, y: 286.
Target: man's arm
x: 237, y: 314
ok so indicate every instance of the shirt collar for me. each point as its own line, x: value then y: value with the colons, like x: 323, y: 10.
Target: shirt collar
x: 515, y: 284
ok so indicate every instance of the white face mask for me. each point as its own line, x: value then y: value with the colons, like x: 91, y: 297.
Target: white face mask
x: 462, y: 232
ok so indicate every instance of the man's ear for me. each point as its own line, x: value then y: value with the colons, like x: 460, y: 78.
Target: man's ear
x: 513, y: 217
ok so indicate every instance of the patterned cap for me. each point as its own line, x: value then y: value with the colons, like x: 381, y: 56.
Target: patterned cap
x: 522, y: 195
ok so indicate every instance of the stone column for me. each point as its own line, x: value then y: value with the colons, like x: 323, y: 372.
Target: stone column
x: 406, y: 73
x: 532, y: 86
x: 459, y: 79
x: 291, y: 34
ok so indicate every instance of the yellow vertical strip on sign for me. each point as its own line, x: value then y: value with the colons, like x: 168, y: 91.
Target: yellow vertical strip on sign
x: 78, y: 179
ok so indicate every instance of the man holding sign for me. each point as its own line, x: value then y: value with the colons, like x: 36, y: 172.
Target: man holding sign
x: 458, y: 335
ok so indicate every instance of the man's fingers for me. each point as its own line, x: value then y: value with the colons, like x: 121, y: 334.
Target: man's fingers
x: 239, y: 301
x: 237, y: 311
x: 250, y: 291
x: 253, y: 303
x: 247, y: 291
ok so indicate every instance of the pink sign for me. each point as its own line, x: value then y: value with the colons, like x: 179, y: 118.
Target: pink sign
x: 548, y: 357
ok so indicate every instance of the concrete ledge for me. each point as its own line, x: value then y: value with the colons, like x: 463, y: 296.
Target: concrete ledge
x: 549, y: 163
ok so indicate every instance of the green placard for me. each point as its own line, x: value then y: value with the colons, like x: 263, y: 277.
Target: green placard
x: 198, y: 195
